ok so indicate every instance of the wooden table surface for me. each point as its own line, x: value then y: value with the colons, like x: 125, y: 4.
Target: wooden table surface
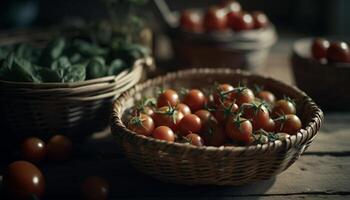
x: 322, y: 172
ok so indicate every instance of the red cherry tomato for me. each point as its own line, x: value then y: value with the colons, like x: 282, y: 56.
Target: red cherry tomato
x: 190, y: 21
x: 243, y: 95
x: 195, y: 139
x: 338, y: 52
x: 183, y: 108
x: 283, y: 107
x: 215, y: 19
x: 232, y: 6
x: 95, y: 188
x: 224, y: 111
x: 240, y: 21
x: 319, y: 48
x: 141, y: 124
x: 258, y: 114
x: 219, y: 93
x: 266, y: 96
x: 164, y: 133
x: 239, y: 130
x: 290, y: 124
x: 23, y: 179
x: 190, y: 124
x: 168, y: 98
x: 168, y: 116
x: 195, y: 99
x: 271, y: 127
x: 59, y: 148
x: 260, y: 19
x: 33, y: 149
x: 214, y: 134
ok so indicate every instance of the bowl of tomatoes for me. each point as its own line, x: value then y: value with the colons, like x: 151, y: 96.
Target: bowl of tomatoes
x: 322, y: 68
x: 222, y: 35
x: 214, y: 126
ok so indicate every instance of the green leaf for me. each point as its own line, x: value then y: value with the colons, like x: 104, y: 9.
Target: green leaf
x: 52, y: 51
x: 116, y: 67
x: 96, y: 68
x: 74, y: 73
x: 23, y: 71
x: 60, y: 63
x: 48, y: 75
x: 88, y: 49
x: 75, y: 58
x: 27, y: 52
x: 5, y: 51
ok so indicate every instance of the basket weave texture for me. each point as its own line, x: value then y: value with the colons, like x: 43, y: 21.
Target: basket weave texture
x: 190, y: 165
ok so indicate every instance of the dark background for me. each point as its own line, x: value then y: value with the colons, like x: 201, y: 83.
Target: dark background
x: 311, y: 17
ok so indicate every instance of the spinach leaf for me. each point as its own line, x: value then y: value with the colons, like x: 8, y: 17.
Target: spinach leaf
x: 48, y: 75
x: 96, y: 68
x: 74, y: 73
x: 88, y: 49
x: 52, y: 51
x: 116, y: 67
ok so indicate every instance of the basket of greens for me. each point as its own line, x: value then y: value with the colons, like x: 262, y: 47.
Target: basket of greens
x: 66, y: 85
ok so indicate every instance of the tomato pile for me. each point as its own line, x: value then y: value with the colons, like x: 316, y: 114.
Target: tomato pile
x: 220, y: 116
x: 227, y: 15
x: 331, y: 52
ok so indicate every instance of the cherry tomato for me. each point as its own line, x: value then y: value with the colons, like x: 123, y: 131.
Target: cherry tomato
x: 338, y: 52
x: 214, y: 135
x: 33, y: 149
x: 224, y: 111
x: 168, y: 98
x: 283, y: 107
x: 243, y: 95
x: 260, y: 19
x: 231, y: 5
x: 23, y: 179
x: 258, y: 114
x: 219, y: 93
x: 142, y: 124
x: 204, y: 115
x: 266, y: 96
x: 195, y: 139
x: 239, y: 130
x: 195, y: 99
x: 215, y: 19
x: 191, y: 21
x: 168, y: 116
x: 59, y: 148
x: 319, y: 48
x: 183, y: 108
x: 164, y: 133
x: 95, y: 188
x: 290, y: 124
x: 271, y: 127
x: 282, y: 136
x: 240, y: 21
x: 190, y: 124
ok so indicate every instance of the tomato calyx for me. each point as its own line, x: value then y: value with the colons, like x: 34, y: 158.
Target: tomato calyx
x: 171, y: 111
x: 137, y: 120
x: 287, y: 98
x: 262, y: 137
x: 282, y: 119
x: 151, y: 102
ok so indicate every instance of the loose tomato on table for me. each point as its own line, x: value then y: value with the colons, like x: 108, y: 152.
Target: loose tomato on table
x: 338, y: 52
x: 24, y: 180
x: 141, y: 124
x: 59, y: 148
x: 33, y: 149
x: 319, y: 48
x: 95, y: 188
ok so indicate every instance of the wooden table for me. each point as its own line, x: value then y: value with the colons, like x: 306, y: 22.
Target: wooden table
x: 323, y: 171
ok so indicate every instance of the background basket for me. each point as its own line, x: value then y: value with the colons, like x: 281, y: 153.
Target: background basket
x: 326, y: 83
x: 74, y: 109
x: 187, y: 164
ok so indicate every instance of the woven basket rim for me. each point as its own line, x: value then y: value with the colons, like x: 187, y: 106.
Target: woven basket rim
x: 118, y: 127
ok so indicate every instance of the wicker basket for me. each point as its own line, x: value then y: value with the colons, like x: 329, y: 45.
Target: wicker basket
x: 73, y: 109
x: 326, y: 83
x: 187, y: 164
